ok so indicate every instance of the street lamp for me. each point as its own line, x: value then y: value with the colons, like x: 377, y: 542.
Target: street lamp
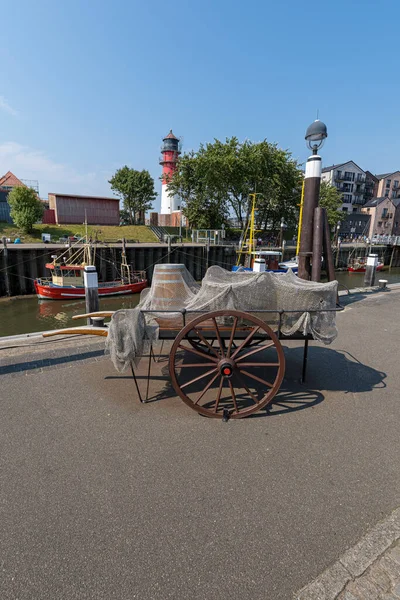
x: 315, y: 136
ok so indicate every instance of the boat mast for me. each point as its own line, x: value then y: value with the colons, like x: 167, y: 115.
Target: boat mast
x: 125, y: 268
x: 87, y: 257
x: 249, y: 225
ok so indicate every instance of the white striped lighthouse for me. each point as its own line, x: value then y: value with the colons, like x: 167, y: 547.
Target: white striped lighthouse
x: 170, y: 150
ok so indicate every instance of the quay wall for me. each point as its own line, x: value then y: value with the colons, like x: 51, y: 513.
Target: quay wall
x: 19, y: 266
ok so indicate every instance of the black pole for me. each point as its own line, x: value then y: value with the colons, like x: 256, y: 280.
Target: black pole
x: 328, y: 254
x: 312, y: 182
x: 317, y: 243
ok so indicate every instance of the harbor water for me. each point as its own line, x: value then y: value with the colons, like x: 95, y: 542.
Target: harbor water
x: 28, y: 314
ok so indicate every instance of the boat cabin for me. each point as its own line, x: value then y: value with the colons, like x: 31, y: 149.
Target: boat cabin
x: 272, y: 259
x: 65, y: 275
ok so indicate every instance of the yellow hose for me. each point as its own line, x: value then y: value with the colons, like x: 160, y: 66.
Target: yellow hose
x: 300, y: 220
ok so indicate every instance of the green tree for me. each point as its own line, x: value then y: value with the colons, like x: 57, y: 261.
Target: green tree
x: 331, y: 199
x: 136, y: 189
x: 26, y: 208
x: 217, y: 180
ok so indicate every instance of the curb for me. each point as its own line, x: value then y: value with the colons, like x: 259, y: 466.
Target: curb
x: 354, y: 562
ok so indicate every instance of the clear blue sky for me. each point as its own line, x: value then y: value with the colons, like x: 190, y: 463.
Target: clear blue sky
x: 87, y: 87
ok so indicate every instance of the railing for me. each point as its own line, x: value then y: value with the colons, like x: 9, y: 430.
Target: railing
x: 389, y: 240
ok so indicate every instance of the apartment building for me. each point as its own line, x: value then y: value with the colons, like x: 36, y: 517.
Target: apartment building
x: 388, y: 185
x: 385, y: 216
x: 352, y: 182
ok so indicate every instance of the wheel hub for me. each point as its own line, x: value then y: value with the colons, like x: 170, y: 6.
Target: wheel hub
x: 226, y: 367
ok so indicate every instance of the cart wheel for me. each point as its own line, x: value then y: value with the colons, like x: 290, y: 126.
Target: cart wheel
x: 221, y: 379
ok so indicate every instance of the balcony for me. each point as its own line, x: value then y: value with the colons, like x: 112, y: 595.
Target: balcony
x: 359, y: 178
x: 343, y: 177
x: 359, y: 200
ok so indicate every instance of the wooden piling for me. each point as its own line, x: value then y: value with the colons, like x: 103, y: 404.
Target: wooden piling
x: 318, y: 235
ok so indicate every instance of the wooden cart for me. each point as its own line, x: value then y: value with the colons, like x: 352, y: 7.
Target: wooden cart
x: 223, y: 364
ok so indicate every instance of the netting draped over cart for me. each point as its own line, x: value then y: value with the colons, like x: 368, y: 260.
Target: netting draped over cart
x: 173, y: 288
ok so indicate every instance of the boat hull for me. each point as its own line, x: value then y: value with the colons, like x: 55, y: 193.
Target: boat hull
x: 363, y: 269
x: 53, y: 292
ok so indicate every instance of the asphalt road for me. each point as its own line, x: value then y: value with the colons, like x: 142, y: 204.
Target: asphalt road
x: 101, y: 497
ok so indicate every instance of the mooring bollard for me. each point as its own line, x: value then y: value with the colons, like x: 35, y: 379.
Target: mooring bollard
x: 383, y: 284
x: 91, y: 290
x: 372, y: 263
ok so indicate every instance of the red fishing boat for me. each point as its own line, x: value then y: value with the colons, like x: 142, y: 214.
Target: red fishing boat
x: 66, y: 281
x: 359, y: 265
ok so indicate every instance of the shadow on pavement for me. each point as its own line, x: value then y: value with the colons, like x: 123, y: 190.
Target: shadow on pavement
x: 328, y: 370
x: 333, y: 370
x: 347, y: 300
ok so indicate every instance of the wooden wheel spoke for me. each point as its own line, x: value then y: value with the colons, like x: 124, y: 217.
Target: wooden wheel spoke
x: 258, y: 364
x: 233, y: 395
x: 249, y: 337
x: 267, y: 383
x: 202, y: 354
x: 242, y: 383
x: 194, y: 365
x: 258, y: 349
x: 218, y: 337
x: 203, y: 339
x: 235, y: 322
x: 221, y: 383
x: 209, y: 384
x: 197, y: 378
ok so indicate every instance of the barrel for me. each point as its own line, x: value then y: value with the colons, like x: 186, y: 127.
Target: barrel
x: 168, y: 289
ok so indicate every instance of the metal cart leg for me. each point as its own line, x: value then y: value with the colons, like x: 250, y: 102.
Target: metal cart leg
x: 305, y: 358
x: 151, y: 356
x: 136, y: 383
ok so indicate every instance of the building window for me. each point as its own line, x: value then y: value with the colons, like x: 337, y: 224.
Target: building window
x: 396, y: 183
x: 379, y: 223
x: 344, y: 208
x: 347, y: 198
x: 387, y: 194
x: 348, y: 176
x: 388, y: 182
x: 354, y: 210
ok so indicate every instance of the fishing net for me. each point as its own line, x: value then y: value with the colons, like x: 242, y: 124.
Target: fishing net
x: 307, y: 306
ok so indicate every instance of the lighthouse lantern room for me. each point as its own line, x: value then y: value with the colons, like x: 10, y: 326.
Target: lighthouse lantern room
x: 170, y: 151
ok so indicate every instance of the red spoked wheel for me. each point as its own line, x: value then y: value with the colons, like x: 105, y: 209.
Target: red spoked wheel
x: 226, y: 364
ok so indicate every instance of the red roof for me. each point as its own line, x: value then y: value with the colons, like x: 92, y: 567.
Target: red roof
x: 9, y: 179
x: 84, y: 197
x: 171, y: 136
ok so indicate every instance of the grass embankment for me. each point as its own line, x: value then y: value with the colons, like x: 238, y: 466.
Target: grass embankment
x: 137, y: 233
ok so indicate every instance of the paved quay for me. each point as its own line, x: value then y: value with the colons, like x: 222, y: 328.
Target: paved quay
x: 102, y: 497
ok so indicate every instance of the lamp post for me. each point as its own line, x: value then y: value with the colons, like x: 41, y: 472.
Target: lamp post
x: 180, y: 223
x: 337, y: 233
x: 315, y: 137
x: 282, y: 228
